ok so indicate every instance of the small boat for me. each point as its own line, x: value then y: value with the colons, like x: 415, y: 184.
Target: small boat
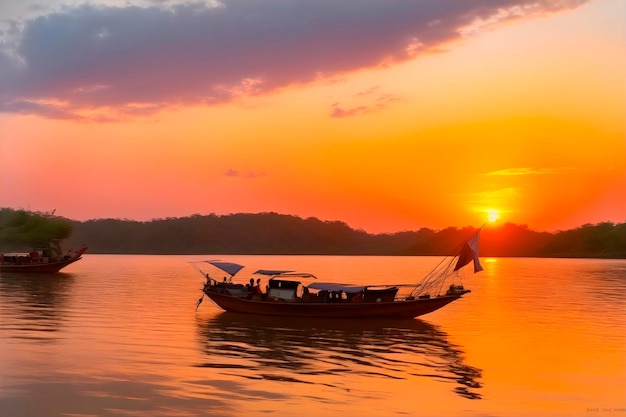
x: 48, y: 260
x: 296, y: 294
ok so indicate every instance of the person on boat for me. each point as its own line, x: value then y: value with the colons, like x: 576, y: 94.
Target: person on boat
x: 257, y: 287
x: 305, y: 293
x: 335, y: 296
x: 355, y: 297
x: 57, y: 252
x: 221, y: 284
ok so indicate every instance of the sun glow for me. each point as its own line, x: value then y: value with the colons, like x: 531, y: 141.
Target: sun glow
x: 493, y: 215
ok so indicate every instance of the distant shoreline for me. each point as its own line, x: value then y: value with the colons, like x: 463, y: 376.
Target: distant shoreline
x: 279, y: 234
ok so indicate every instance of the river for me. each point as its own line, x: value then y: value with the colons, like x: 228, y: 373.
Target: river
x: 118, y: 335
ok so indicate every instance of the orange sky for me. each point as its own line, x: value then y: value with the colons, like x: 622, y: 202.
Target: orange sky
x: 320, y: 112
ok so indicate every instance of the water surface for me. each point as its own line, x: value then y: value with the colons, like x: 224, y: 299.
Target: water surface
x: 119, y: 336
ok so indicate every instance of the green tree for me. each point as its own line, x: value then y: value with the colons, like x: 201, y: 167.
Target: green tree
x: 21, y: 229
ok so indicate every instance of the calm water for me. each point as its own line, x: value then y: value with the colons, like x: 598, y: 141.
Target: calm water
x: 119, y: 336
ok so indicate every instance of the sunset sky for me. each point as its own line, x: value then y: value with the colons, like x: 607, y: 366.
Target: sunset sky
x: 388, y: 115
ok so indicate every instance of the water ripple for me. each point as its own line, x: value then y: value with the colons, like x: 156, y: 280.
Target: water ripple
x: 317, y: 352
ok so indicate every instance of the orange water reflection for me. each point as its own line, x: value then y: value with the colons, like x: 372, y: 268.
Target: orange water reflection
x: 343, y: 355
x: 40, y: 302
x: 119, y: 336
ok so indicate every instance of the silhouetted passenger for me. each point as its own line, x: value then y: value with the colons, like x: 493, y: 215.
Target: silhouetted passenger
x: 257, y: 287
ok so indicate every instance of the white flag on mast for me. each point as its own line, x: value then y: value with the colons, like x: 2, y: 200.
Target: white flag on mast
x: 469, y: 253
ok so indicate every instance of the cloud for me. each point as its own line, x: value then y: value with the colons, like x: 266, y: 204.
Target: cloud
x: 249, y: 174
x: 338, y: 112
x: 372, y: 98
x: 102, y: 63
x: 496, y: 199
x: 526, y: 171
x: 494, y: 194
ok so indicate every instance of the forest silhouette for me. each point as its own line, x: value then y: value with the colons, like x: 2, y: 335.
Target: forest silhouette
x: 272, y: 233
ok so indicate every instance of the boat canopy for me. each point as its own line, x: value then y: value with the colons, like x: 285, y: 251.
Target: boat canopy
x: 330, y: 286
x: 271, y: 272
x: 279, y: 274
x: 228, y: 267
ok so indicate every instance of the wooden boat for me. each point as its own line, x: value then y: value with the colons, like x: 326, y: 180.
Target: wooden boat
x: 289, y: 294
x: 46, y: 261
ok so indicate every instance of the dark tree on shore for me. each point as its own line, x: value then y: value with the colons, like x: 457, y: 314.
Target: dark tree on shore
x: 272, y: 233
x: 20, y: 229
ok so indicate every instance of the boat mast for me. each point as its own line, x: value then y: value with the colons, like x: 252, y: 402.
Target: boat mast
x: 433, y: 283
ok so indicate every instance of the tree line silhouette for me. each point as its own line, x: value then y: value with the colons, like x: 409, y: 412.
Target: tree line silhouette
x: 272, y: 233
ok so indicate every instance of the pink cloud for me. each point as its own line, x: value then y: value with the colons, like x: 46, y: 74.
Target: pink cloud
x: 249, y: 174
x: 102, y: 63
x: 370, y: 100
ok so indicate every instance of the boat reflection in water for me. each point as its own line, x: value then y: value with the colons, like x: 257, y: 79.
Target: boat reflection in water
x: 33, y: 304
x: 333, y: 353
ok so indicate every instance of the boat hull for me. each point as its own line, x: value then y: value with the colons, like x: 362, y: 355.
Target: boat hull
x: 396, y: 309
x: 48, y: 267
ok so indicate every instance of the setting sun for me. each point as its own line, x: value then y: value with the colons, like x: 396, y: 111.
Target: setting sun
x: 493, y: 215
